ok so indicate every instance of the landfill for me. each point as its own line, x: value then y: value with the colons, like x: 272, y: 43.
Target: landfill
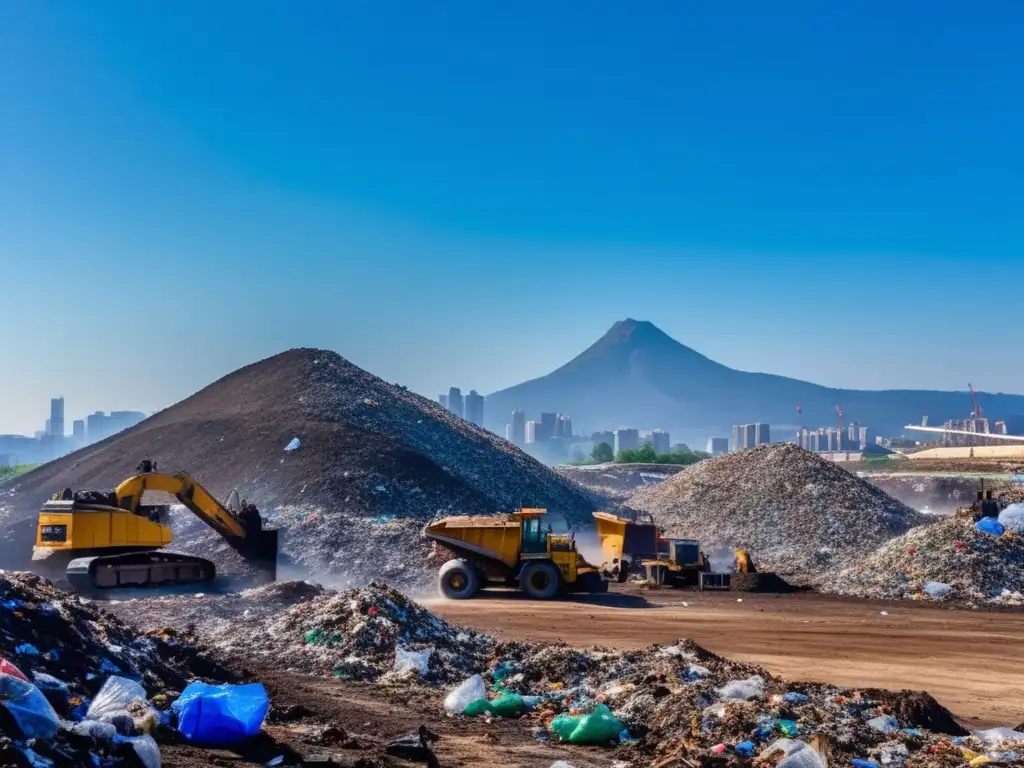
x: 796, y: 513
x: 955, y: 555
x: 675, y: 704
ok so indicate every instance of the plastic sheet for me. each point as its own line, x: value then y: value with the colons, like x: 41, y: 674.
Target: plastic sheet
x: 29, y: 708
x: 114, y: 698
x: 412, y: 661
x: 221, y: 715
x: 6, y: 668
x: 466, y: 693
x: 750, y: 688
x: 597, y: 727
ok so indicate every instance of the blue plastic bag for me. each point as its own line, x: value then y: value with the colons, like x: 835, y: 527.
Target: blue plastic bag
x: 990, y: 525
x: 221, y: 715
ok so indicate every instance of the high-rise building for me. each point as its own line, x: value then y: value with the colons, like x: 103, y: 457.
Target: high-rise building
x: 548, y: 425
x: 626, y: 439
x: 508, y: 433
x: 717, y: 446
x: 563, y: 426
x: 455, y: 401
x: 443, y: 400
x: 737, y: 437
x: 659, y: 440
x: 519, y: 427
x: 603, y: 437
x: 749, y: 435
x: 78, y: 429
x: 532, y: 427
x: 475, y: 408
x: 762, y: 434
x: 100, y: 425
x: 57, y: 417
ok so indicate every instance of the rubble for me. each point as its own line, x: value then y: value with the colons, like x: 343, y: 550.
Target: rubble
x: 976, y: 566
x: 796, y: 512
x: 615, y: 483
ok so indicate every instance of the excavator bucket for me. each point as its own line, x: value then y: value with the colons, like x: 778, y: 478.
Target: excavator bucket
x: 261, y: 552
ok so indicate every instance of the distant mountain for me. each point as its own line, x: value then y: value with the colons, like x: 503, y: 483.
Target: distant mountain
x: 636, y: 375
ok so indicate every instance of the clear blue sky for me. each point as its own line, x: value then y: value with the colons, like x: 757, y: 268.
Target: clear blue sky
x: 469, y: 193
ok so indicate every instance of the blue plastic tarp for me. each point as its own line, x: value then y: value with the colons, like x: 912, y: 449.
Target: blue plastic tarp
x: 221, y: 715
x: 990, y: 525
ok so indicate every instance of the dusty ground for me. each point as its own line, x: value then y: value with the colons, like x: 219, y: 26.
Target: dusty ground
x: 969, y: 660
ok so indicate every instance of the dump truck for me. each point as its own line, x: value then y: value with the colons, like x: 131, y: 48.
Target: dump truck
x: 103, y: 540
x: 515, y: 549
x: 625, y: 542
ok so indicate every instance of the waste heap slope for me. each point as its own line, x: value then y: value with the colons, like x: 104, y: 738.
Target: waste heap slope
x: 362, y: 449
x: 796, y: 512
x: 949, y: 553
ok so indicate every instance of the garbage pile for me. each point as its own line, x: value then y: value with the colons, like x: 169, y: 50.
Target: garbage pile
x: 74, y: 681
x: 952, y: 559
x: 681, y: 701
x: 371, y: 633
x: 796, y: 512
x: 616, y: 483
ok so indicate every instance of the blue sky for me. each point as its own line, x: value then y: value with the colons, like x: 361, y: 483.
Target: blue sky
x: 470, y: 193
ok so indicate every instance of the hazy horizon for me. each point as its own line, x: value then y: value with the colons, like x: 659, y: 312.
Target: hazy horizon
x: 471, y: 195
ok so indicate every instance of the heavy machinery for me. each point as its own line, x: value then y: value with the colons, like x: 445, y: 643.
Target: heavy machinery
x: 985, y: 505
x: 511, y: 549
x: 110, y: 539
x: 682, y: 563
x: 625, y: 543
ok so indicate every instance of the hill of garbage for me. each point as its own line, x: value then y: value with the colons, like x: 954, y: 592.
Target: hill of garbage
x: 952, y: 559
x: 796, y: 512
x: 335, y: 455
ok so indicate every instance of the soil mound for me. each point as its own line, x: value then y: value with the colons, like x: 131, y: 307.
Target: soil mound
x: 363, y: 453
x: 975, y: 566
x: 796, y: 512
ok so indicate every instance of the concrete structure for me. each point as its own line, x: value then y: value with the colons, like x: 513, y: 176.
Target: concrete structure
x: 56, y: 423
x: 518, y: 427
x: 455, y: 401
x: 548, y: 425
x: 626, y: 439
x: 532, y: 427
x: 659, y: 440
x: 78, y: 429
x: 762, y: 434
x: 603, y: 437
x: 443, y: 400
x: 563, y: 426
x: 508, y: 432
x: 717, y: 446
x: 99, y: 425
x: 475, y: 408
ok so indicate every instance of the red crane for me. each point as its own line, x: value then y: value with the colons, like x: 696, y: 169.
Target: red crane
x: 978, y: 412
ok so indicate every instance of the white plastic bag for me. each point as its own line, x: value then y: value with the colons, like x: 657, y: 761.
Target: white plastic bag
x: 468, y: 691
x: 801, y: 756
x: 996, y: 736
x: 115, y: 696
x: 750, y: 688
x: 1012, y: 518
x: 412, y: 661
x: 29, y: 708
x: 884, y: 723
x: 146, y: 749
x: 936, y: 590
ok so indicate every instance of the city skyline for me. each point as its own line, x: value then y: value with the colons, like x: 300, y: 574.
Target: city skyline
x: 643, y: 169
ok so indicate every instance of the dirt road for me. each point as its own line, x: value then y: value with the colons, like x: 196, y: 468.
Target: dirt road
x: 971, y: 661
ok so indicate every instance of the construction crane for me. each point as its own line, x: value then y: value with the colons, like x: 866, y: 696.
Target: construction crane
x: 978, y: 412
x: 839, y: 413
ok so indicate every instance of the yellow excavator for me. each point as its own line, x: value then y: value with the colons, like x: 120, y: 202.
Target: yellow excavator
x: 110, y: 539
x: 517, y: 549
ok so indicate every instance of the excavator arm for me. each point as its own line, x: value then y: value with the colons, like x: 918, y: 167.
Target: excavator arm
x: 196, y: 499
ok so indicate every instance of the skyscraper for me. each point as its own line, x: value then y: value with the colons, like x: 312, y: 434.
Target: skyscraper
x: 443, y: 400
x: 57, y: 417
x: 659, y: 440
x: 475, y: 408
x: 717, y: 446
x: 519, y: 427
x: 626, y: 439
x: 531, y: 431
x: 563, y: 426
x: 455, y: 401
x: 762, y: 434
x: 78, y: 429
x: 548, y: 424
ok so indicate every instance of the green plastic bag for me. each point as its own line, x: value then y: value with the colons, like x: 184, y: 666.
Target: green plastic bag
x: 509, y: 705
x: 597, y: 727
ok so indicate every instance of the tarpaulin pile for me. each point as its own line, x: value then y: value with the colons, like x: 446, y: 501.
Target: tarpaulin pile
x: 977, y: 565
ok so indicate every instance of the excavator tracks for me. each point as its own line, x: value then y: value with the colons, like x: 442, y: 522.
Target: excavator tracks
x: 138, y: 569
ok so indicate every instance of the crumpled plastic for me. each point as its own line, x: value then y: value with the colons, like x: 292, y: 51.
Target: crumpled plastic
x: 468, y: 691
x: 221, y: 715
x: 407, y: 661
x: 750, y: 688
x: 597, y: 727
x: 114, y: 698
x: 146, y: 749
x: 937, y: 590
x: 29, y: 708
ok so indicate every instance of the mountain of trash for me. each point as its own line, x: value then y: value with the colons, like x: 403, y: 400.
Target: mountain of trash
x: 952, y: 559
x: 327, y: 450
x: 796, y: 512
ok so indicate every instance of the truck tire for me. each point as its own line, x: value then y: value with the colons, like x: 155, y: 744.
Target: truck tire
x: 540, y: 580
x: 591, y: 581
x: 458, y: 580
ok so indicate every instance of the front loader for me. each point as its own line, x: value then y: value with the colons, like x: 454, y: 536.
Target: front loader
x: 517, y: 549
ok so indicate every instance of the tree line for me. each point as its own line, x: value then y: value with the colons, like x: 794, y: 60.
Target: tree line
x: 645, y: 454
